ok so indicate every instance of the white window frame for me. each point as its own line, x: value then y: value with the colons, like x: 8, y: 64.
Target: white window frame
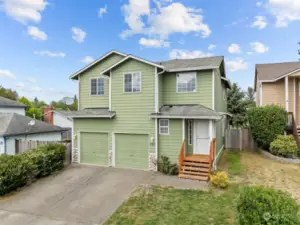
x: 160, y: 126
x: 131, y: 73
x: 97, y: 78
x: 187, y: 73
x: 190, y: 132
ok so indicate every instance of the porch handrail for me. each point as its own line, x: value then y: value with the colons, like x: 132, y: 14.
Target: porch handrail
x: 212, y: 152
x: 181, y: 155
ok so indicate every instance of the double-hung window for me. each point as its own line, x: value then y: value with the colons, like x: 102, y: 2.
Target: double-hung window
x: 97, y: 86
x: 186, y: 82
x: 163, y: 126
x: 133, y: 82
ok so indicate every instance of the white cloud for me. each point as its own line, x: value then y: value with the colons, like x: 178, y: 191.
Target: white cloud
x: 154, y: 43
x: 211, y: 47
x: 285, y: 11
x: 32, y: 80
x: 259, y: 47
x: 20, y: 85
x: 185, y: 54
x: 7, y: 73
x: 102, y: 11
x: 260, y: 22
x: 88, y: 59
x: 259, y: 4
x: 78, y: 34
x: 236, y: 65
x: 36, y: 33
x: 234, y: 49
x: 249, y: 53
x: 50, y: 54
x: 24, y: 10
x: 163, y: 21
x: 36, y: 89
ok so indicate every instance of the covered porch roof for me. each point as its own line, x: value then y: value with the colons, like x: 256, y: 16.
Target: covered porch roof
x: 186, y: 112
x: 92, y: 113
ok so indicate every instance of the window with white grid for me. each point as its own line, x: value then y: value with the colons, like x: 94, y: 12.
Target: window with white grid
x: 164, y: 126
x: 132, y: 82
x: 97, y: 86
x: 186, y: 82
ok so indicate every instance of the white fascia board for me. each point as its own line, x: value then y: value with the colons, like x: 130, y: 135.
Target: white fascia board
x: 186, y: 117
x: 95, y: 62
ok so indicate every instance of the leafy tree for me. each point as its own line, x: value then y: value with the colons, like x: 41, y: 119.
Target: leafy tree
x: 25, y: 101
x: 60, y: 105
x: 237, y: 106
x: 35, y: 113
x: 8, y: 93
x: 38, y: 104
x: 250, y: 97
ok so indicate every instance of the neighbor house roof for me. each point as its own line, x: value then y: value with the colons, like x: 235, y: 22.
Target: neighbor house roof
x: 275, y: 71
x: 186, y: 112
x: 92, y: 113
x: 74, y: 76
x: 15, y: 124
x: 177, y: 65
x: 7, y: 103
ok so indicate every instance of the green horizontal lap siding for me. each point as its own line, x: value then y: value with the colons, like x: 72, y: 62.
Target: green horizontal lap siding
x: 160, y: 90
x: 95, y: 153
x: 169, y: 145
x: 203, y: 95
x: 131, y: 151
x: 88, y: 101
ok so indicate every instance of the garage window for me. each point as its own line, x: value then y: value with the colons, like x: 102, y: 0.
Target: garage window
x: 164, y: 126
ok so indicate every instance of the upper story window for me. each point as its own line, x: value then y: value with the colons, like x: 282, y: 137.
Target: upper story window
x: 97, y: 86
x: 186, y: 82
x: 133, y: 82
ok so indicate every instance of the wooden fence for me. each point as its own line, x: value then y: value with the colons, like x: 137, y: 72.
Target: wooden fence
x: 239, y: 139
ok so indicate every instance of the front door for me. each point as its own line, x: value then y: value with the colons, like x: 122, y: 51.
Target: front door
x: 202, y: 139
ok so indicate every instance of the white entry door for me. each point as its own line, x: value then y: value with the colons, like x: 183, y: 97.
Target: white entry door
x: 202, y: 138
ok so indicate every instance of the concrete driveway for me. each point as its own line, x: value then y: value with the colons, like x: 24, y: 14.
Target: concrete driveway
x: 79, y: 195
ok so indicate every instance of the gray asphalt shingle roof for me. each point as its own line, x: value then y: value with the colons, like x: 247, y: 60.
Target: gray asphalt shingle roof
x: 91, y: 113
x: 273, y: 71
x: 197, y: 63
x: 15, y: 124
x: 7, y: 103
x: 186, y: 111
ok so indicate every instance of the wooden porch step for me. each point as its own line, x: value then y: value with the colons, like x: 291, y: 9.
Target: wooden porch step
x: 192, y: 177
x: 190, y: 168
x: 197, y: 159
x: 194, y: 173
x: 196, y: 164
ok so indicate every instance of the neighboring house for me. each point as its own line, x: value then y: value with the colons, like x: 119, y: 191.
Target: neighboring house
x: 279, y: 84
x: 15, y: 127
x: 58, y: 117
x: 10, y: 106
x: 132, y: 111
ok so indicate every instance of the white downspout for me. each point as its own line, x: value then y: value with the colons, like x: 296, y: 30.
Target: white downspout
x: 286, y: 93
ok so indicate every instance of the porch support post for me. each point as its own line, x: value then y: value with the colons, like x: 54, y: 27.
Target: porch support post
x: 286, y: 81
x: 211, y: 130
x: 156, y: 141
x: 295, y: 96
x: 183, y: 133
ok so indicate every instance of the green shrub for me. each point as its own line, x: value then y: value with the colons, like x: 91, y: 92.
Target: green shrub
x: 19, y: 170
x: 266, y: 123
x: 285, y: 146
x: 260, y: 205
x: 166, y: 167
x: 220, y: 179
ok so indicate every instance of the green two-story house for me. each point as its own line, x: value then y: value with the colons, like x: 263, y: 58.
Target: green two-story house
x: 132, y: 111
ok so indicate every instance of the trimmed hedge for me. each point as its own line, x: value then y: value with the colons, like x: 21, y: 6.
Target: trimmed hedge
x: 285, y: 146
x: 19, y: 170
x: 261, y: 205
x: 266, y: 123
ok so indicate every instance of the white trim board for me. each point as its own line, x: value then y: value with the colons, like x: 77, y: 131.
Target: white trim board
x: 95, y: 62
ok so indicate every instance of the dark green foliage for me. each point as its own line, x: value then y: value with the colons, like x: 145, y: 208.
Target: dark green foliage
x: 60, y: 105
x: 19, y: 170
x: 285, y: 146
x: 166, y: 167
x: 8, y: 93
x: 260, y: 205
x: 266, y: 123
x: 35, y: 113
x: 250, y: 97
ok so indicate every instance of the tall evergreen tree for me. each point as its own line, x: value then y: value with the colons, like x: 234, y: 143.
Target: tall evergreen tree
x: 250, y: 97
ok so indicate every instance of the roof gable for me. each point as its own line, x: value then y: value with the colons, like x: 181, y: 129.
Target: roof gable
x: 75, y: 75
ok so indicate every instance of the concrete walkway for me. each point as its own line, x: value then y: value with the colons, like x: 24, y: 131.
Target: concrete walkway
x: 79, y: 195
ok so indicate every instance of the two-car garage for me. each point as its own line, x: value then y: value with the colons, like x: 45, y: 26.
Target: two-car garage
x: 129, y: 150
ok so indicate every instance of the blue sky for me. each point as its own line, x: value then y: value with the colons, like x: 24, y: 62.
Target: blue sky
x: 43, y: 42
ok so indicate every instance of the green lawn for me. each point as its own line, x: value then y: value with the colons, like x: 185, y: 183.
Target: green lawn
x: 163, y: 206
x: 232, y: 161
